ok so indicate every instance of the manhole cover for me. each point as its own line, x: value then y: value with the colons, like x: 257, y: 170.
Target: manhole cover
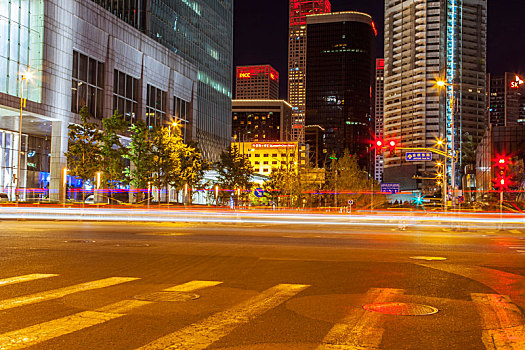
x: 79, y: 241
x: 428, y: 258
x: 401, y: 309
x: 167, y: 296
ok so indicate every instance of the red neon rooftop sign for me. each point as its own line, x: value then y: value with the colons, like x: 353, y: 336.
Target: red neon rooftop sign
x: 247, y: 72
x: 516, y: 83
x: 299, y: 9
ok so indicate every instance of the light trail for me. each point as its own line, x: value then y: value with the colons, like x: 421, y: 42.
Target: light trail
x: 380, y: 218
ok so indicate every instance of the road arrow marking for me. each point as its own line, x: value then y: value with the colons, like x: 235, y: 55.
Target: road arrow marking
x: 503, y: 324
x: 202, y: 334
x: 360, y: 329
x: 48, y: 330
x: 24, y: 278
x: 61, y: 292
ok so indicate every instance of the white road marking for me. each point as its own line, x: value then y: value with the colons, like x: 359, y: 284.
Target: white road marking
x: 503, y: 323
x: 48, y: 330
x: 204, y: 333
x: 24, y: 278
x: 360, y: 329
x: 59, y: 293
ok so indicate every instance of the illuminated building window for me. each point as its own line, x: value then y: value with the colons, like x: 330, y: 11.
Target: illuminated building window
x: 125, y: 95
x: 156, y: 106
x: 87, y: 85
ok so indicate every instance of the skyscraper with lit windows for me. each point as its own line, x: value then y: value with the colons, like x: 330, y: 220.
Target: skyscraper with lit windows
x: 427, y: 41
x: 299, y: 9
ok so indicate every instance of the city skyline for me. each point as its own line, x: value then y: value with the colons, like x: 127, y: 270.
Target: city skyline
x: 259, y: 41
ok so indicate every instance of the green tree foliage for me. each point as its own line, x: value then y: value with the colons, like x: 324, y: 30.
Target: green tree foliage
x: 352, y: 183
x: 167, y: 144
x: 234, y: 170
x: 84, y: 151
x: 112, y: 150
x: 140, y: 154
x: 192, y: 167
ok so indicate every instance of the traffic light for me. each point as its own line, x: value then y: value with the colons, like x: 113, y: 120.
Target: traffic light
x: 392, y: 146
x: 501, y: 165
x: 379, y: 146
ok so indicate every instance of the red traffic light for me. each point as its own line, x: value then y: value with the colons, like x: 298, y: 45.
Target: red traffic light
x: 379, y: 143
x: 392, y: 143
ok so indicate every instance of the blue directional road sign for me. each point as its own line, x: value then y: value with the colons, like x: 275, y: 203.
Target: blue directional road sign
x: 390, y: 188
x: 259, y: 192
x: 418, y: 156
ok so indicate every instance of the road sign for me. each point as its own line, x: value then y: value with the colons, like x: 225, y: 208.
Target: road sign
x: 350, y: 202
x: 390, y: 188
x: 418, y: 156
x: 258, y: 192
x: 461, y: 199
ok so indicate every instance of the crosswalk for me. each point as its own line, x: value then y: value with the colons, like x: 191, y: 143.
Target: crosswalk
x: 360, y: 328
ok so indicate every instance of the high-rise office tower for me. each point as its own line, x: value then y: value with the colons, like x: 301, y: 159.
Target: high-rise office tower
x: 506, y: 94
x: 378, y: 116
x: 257, y: 82
x: 299, y: 9
x: 200, y: 31
x: 426, y: 41
x: 151, y: 60
x: 340, y: 78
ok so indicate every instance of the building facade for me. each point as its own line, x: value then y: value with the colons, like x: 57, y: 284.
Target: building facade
x: 261, y: 120
x: 340, y: 80
x: 299, y: 9
x: 200, y: 31
x: 500, y: 142
x: 80, y: 55
x: 379, y: 103
x: 425, y: 42
x: 268, y: 156
x: 506, y: 97
x: 256, y: 83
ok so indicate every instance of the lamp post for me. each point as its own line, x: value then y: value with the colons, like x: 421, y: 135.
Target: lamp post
x: 23, y: 76
x: 64, y: 184
x: 442, y: 83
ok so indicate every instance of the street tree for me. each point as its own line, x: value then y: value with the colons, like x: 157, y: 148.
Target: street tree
x: 350, y: 182
x: 234, y: 171
x: 167, y: 144
x: 112, y: 150
x: 84, y: 152
x: 140, y: 154
x: 192, y: 167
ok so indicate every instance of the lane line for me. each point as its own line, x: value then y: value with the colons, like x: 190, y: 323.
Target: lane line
x: 360, y: 328
x: 192, y: 286
x: 59, y: 293
x: 202, y: 334
x: 515, y: 231
x: 25, y: 278
x: 502, y: 321
x: 39, y: 333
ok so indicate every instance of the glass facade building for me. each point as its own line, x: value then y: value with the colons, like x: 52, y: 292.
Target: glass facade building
x: 340, y: 79
x: 200, y: 31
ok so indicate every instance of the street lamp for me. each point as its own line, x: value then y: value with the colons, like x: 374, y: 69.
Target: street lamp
x: 442, y: 83
x: 64, y: 184
x: 27, y: 75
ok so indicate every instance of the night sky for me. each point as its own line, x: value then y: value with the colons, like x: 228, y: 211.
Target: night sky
x: 261, y: 33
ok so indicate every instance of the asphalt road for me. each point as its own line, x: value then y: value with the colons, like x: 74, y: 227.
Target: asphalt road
x: 78, y: 285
